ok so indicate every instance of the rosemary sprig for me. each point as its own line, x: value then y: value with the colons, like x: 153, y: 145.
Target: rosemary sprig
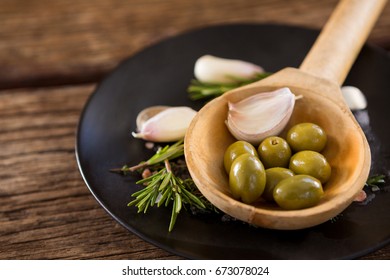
x: 165, y: 188
x: 168, y: 185
x: 375, y: 181
x: 199, y: 90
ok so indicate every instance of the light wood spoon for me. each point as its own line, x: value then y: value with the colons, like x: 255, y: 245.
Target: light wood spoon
x: 318, y: 80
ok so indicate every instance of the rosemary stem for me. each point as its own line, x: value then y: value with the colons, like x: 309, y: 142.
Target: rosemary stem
x: 131, y: 169
x: 168, y: 165
x: 138, y: 166
x: 116, y: 170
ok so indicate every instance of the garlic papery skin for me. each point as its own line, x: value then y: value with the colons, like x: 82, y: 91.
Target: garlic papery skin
x: 217, y: 70
x: 261, y: 115
x: 354, y: 98
x: 166, y: 126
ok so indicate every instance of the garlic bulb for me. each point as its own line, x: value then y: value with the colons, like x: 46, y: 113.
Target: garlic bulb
x: 163, y: 124
x: 261, y: 115
x: 212, y: 69
x: 354, y: 98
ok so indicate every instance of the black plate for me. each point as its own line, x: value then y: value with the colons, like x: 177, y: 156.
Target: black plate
x: 159, y: 75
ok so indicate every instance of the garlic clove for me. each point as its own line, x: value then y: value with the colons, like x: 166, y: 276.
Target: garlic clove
x: 167, y: 125
x: 212, y: 69
x: 354, y: 98
x: 261, y: 115
x: 147, y: 113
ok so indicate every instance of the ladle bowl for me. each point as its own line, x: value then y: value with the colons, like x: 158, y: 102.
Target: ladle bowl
x: 347, y: 152
x: 318, y: 80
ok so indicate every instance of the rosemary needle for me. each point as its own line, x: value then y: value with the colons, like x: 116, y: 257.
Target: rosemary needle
x: 374, y: 182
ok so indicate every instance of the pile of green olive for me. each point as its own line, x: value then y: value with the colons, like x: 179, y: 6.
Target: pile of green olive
x: 290, y: 171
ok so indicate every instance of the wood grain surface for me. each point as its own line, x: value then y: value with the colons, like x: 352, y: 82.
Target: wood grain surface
x: 59, y: 42
x: 52, y: 55
x: 46, y: 211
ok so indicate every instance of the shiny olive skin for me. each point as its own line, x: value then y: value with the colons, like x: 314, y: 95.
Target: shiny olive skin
x: 306, y: 136
x: 273, y: 176
x: 274, y: 151
x: 311, y: 163
x: 236, y: 149
x: 298, y: 192
x: 247, y: 178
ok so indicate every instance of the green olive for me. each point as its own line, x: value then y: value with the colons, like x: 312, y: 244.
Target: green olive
x: 306, y: 136
x: 273, y: 176
x: 311, y: 163
x: 298, y: 192
x: 274, y: 152
x: 236, y: 149
x: 247, y: 178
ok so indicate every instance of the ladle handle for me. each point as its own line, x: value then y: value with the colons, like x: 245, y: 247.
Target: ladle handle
x: 341, y: 39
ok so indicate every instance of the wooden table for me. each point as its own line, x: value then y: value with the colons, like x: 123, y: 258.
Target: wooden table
x: 52, y: 55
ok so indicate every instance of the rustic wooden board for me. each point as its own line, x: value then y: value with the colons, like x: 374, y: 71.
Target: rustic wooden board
x: 46, y: 211
x: 61, y: 42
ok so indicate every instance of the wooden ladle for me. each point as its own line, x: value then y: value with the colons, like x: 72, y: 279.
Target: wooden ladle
x: 318, y: 80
